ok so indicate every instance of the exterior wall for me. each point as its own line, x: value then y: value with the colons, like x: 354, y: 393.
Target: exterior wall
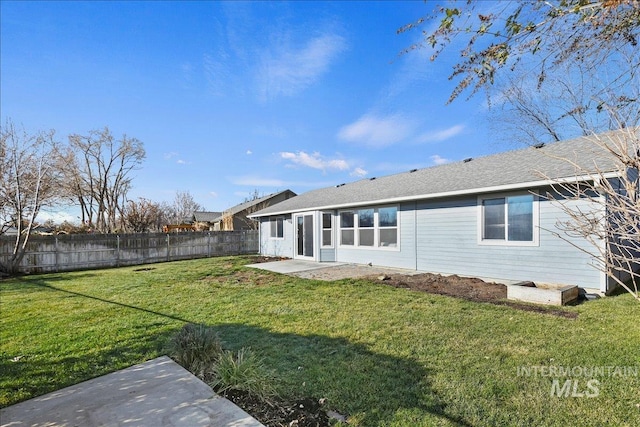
x: 240, y: 220
x: 448, y: 244
x: 402, y: 257
x: 624, y: 273
x: 442, y: 236
x: 327, y: 255
x: 276, y: 247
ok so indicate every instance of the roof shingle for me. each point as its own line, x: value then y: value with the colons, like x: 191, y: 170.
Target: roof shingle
x: 510, y: 168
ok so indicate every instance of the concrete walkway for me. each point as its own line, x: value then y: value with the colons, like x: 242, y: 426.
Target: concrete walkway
x: 327, y: 270
x: 289, y: 266
x: 156, y: 393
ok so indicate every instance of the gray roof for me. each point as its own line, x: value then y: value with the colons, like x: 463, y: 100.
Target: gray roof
x: 207, y: 216
x: 264, y: 199
x: 511, y: 169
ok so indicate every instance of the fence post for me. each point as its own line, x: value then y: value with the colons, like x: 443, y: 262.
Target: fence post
x: 117, y: 250
x: 168, y: 249
x: 56, y: 254
x: 209, y: 245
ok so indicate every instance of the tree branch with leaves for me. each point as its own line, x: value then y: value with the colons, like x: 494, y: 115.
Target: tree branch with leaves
x: 535, y: 34
x: 558, y: 69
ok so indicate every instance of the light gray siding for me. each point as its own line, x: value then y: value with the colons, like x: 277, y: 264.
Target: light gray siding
x: 404, y: 257
x: 327, y: 255
x: 631, y: 245
x: 448, y: 243
x: 441, y: 236
x: 276, y: 247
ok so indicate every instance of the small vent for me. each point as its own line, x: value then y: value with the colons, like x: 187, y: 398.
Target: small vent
x: 413, y: 170
x: 340, y: 185
x: 539, y: 145
x: 372, y: 178
x: 467, y: 160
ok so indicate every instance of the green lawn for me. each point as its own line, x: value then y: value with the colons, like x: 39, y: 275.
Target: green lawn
x: 385, y: 356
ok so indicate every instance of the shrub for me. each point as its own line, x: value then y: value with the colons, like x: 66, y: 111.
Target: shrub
x: 243, y: 371
x: 196, y: 347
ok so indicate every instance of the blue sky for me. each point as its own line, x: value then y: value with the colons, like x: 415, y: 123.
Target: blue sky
x: 231, y: 97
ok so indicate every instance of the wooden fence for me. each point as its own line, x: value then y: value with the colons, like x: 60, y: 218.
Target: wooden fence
x: 85, y: 251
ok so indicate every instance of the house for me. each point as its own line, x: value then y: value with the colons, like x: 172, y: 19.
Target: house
x: 206, y: 220
x: 486, y: 217
x: 237, y: 217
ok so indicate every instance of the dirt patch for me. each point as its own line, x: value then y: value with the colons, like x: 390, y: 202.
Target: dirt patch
x: 460, y: 287
x: 305, y: 412
x: 468, y: 288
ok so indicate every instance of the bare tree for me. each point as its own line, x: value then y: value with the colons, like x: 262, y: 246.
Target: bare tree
x: 574, y: 100
x: 29, y: 180
x: 612, y: 224
x: 99, y: 175
x: 142, y: 216
x: 184, y: 205
x: 166, y: 215
x: 558, y: 69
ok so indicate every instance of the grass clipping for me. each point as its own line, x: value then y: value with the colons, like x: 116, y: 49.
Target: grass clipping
x: 198, y: 349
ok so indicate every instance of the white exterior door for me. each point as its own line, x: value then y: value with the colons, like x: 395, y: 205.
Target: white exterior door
x: 304, y: 241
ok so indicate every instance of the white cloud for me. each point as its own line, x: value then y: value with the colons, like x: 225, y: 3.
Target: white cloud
x: 436, y: 159
x: 170, y: 155
x: 377, y: 131
x: 182, y: 162
x: 249, y: 152
x: 359, y: 172
x: 315, y: 161
x: 213, y: 194
x: 441, y: 135
x: 289, y: 71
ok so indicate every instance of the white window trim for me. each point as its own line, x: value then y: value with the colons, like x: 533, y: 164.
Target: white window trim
x: 276, y: 218
x: 505, y: 242
x: 334, y: 219
x: 376, y: 229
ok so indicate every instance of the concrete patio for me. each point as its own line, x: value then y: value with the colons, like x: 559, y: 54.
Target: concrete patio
x: 156, y: 393
x: 327, y: 270
x: 289, y: 266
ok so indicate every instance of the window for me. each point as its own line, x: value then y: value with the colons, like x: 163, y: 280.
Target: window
x: 370, y: 227
x: 388, y: 226
x: 277, y: 228
x: 508, y: 219
x: 366, y: 231
x: 327, y: 229
x: 347, y: 229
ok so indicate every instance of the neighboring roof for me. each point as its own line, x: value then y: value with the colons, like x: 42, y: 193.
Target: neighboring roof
x: 528, y: 167
x: 264, y: 199
x: 207, y: 216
